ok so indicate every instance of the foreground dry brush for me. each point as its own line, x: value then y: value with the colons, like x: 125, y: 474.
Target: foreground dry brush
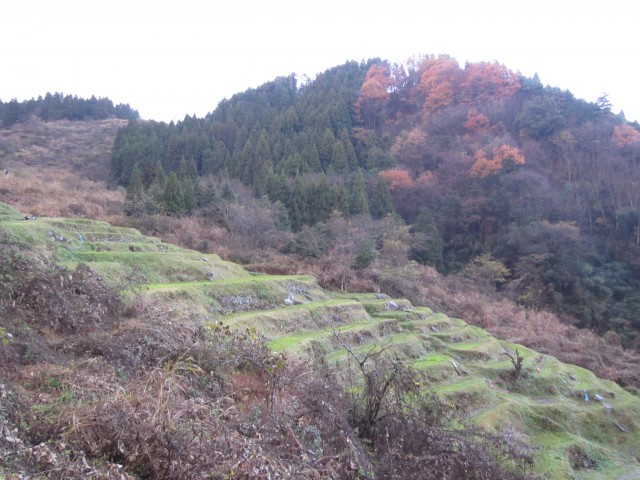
x: 94, y: 388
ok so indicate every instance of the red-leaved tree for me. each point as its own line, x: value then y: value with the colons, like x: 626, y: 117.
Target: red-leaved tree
x: 397, y: 179
x: 439, y: 78
x: 374, y: 95
x: 483, y: 82
x: 503, y: 158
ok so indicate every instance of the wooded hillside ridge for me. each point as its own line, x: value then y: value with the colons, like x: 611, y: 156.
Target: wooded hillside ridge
x: 489, y: 169
x: 58, y: 106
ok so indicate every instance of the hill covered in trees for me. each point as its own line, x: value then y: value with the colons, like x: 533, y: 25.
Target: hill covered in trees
x: 495, y: 175
x: 57, y: 106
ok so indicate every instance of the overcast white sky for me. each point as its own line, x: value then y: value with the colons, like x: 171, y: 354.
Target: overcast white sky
x: 172, y: 58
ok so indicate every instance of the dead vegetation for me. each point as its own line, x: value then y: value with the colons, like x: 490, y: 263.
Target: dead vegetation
x: 82, y: 147
x: 144, y: 391
x: 60, y: 168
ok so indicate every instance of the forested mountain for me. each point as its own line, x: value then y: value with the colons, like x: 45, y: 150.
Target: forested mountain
x: 272, y: 138
x: 494, y: 172
x: 58, y: 106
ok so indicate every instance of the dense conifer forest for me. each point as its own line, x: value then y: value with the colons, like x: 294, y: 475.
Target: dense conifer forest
x: 58, y: 106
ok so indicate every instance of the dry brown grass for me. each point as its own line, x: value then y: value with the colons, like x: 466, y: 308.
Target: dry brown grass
x: 196, y: 408
x: 196, y: 233
x: 60, y: 168
x: 59, y: 193
x: 83, y: 147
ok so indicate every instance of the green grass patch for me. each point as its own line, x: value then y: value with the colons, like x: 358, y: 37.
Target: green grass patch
x: 238, y: 281
x: 436, y: 322
x: 346, y: 333
x: 487, y: 349
x: 466, y: 392
x: 314, y: 318
x: 386, y: 305
x: 158, y: 269
x: 7, y: 212
x: 146, y: 245
x: 432, y: 360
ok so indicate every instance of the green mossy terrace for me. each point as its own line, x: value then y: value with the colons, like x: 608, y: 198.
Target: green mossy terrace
x: 463, y: 364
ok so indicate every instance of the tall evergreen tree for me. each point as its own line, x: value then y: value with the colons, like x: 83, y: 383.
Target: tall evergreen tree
x: 261, y: 177
x: 340, y: 199
x: 227, y: 193
x: 321, y: 205
x: 173, y: 197
x: 352, y: 159
x: 358, y: 201
x: 187, y: 168
x: 11, y: 113
x: 278, y: 188
x: 289, y: 148
x: 262, y: 153
x: 292, y: 165
x: 234, y: 169
x: 188, y: 194
x: 207, y: 163
x: 148, y: 172
x: 220, y: 155
x: 313, y: 159
x: 206, y: 191
x: 381, y: 203
x: 246, y: 167
x: 156, y: 189
x: 326, y: 148
x: 299, y: 205
x: 173, y: 153
x: 426, y: 242
x: 338, y: 163
x: 262, y: 163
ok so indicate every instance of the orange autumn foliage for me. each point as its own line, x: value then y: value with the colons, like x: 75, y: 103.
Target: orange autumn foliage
x: 484, y: 82
x: 476, y: 121
x: 377, y: 83
x: 397, y: 178
x: 625, y: 136
x: 502, y: 158
x: 373, y: 95
x: 438, y: 81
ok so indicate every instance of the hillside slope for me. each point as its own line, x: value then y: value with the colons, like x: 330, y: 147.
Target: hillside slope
x: 476, y: 158
x: 77, y: 355
x: 59, y: 167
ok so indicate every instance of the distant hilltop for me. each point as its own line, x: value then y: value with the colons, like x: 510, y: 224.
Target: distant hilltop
x: 59, y: 107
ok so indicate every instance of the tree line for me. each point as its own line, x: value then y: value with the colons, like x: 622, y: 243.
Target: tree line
x: 57, y: 106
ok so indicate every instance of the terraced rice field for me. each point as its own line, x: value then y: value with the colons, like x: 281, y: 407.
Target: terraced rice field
x: 463, y: 364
